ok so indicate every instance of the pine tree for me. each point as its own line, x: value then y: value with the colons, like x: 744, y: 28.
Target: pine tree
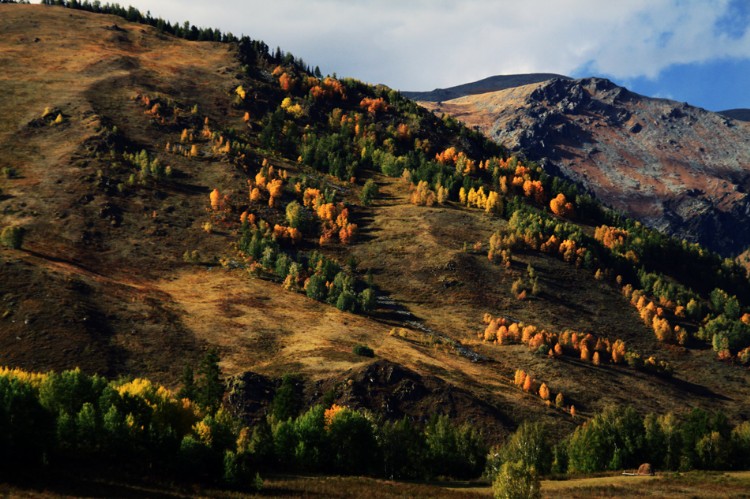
x: 210, y: 389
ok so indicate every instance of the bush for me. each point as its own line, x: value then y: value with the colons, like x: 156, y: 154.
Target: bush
x: 363, y: 350
x: 12, y: 237
x: 369, y: 191
x: 516, y: 481
x: 10, y: 172
x: 542, y: 351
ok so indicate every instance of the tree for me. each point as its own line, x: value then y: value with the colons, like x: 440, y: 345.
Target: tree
x: 369, y: 191
x: 188, y: 389
x: 516, y: 481
x: 296, y: 216
x: 215, y: 198
x: 544, y: 392
x: 287, y: 402
x: 312, y: 451
x: 210, y: 388
x: 315, y: 287
x: 352, y: 440
x: 713, y: 451
x: 528, y: 445
x: 560, y: 400
x: 453, y: 451
x: 528, y: 384
x: 403, y: 449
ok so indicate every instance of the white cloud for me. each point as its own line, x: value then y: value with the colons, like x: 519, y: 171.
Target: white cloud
x: 422, y: 44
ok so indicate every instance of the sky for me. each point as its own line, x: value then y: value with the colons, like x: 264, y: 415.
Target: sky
x: 695, y: 51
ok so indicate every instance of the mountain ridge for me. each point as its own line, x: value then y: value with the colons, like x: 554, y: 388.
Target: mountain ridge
x: 740, y: 114
x: 485, y: 85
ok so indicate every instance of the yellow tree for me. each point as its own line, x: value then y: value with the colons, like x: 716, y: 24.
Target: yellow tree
x: 595, y: 359
x: 275, y: 190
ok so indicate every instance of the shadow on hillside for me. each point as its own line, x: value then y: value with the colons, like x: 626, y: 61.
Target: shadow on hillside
x: 365, y: 232
x: 679, y: 384
x: 695, y: 389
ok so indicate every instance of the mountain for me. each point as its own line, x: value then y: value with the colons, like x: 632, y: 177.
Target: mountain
x: 491, y: 84
x: 163, y: 197
x: 675, y: 167
x: 735, y: 114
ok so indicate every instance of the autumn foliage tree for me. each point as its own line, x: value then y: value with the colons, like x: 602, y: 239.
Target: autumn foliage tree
x: 422, y: 194
x: 544, y: 391
x: 373, y: 105
x: 215, y: 198
x: 560, y: 206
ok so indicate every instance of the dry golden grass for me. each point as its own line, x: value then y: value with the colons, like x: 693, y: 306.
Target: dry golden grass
x: 483, y: 110
x: 261, y: 327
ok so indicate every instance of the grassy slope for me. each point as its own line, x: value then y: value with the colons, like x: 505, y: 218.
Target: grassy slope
x: 119, y: 299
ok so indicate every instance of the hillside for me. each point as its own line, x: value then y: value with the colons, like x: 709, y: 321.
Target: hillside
x: 675, y: 167
x: 491, y: 84
x: 737, y: 114
x: 178, y: 196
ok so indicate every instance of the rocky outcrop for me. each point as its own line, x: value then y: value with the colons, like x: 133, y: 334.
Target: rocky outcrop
x: 385, y: 388
x: 394, y: 391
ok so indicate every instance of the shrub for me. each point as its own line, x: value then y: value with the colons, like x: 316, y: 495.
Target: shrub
x: 10, y: 172
x: 369, y: 191
x: 363, y: 350
x: 12, y: 237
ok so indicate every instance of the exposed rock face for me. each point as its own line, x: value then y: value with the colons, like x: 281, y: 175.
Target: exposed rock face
x: 677, y: 168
